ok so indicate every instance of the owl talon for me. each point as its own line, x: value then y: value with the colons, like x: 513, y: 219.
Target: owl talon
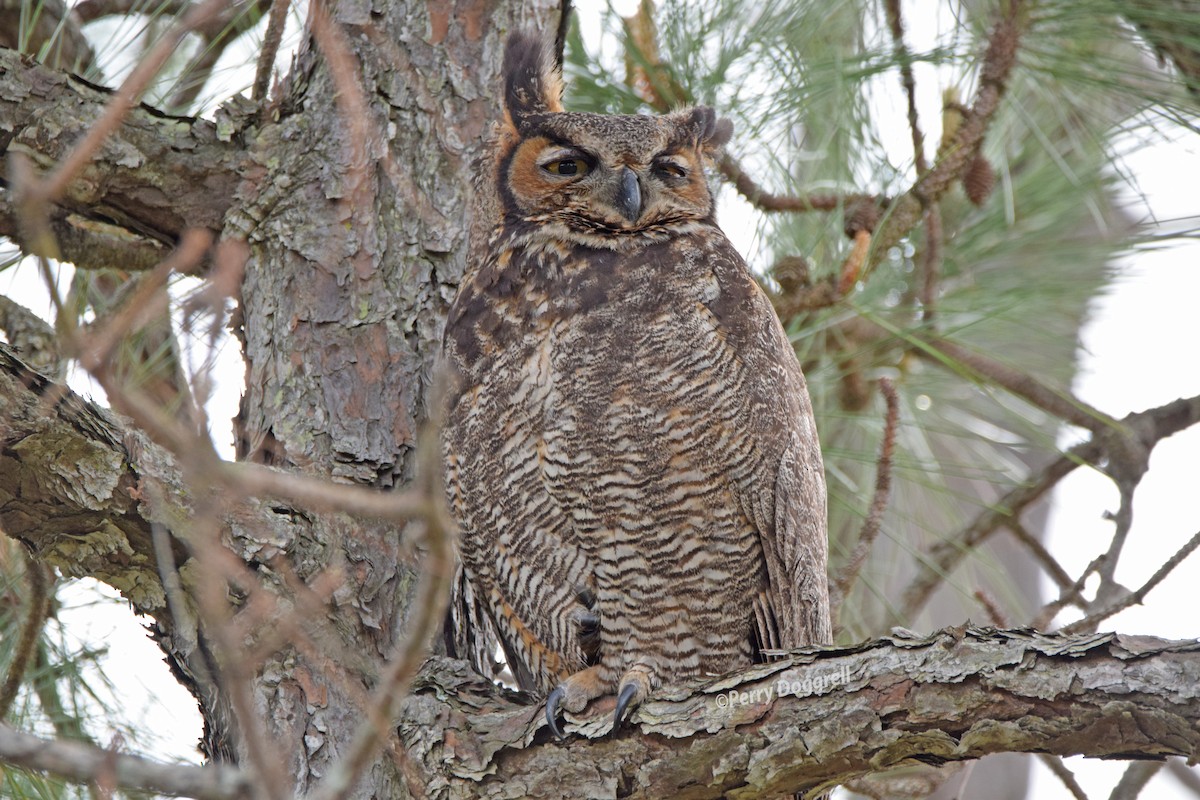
x: 628, y: 692
x: 552, y: 703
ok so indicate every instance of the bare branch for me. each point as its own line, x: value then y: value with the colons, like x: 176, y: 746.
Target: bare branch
x: 1148, y: 427
x: 1039, y: 552
x: 896, y: 25
x: 1055, y: 765
x: 1090, y: 622
x: 1134, y: 779
x: 759, y: 197
x: 874, y: 521
x: 270, y: 48
x: 83, y: 763
x: 1186, y: 776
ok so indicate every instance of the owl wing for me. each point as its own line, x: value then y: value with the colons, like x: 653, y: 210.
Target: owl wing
x: 787, y: 492
x: 523, y: 584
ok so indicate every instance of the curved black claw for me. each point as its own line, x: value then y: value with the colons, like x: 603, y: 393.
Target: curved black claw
x: 552, y: 702
x: 626, y: 695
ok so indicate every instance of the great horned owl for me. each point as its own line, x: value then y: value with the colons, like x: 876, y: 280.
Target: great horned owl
x: 630, y: 449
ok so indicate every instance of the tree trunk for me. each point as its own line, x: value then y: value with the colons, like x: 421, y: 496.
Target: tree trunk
x: 354, y: 211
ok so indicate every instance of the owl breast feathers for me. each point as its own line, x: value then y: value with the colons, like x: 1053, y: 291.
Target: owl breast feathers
x: 630, y: 449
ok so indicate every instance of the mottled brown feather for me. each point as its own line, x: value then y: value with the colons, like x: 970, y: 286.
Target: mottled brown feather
x: 630, y: 449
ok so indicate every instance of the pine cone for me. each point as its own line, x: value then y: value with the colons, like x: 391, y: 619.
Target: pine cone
x: 979, y: 180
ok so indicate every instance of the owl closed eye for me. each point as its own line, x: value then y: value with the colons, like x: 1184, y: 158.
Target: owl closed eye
x: 630, y: 451
x: 602, y: 178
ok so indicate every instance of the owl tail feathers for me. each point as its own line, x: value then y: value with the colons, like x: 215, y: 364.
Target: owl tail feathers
x: 532, y: 81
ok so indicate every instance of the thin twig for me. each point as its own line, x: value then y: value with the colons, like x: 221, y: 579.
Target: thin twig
x: 1134, y: 598
x: 896, y: 25
x: 995, y: 615
x: 883, y: 484
x: 1134, y: 780
x: 1186, y: 775
x: 940, y: 560
x: 1039, y: 552
x: 766, y: 201
x: 31, y: 629
x: 1056, y: 765
x: 124, y: 99
x: 97, y: 348
x: 1073, y: 594
x: 270, y: 48
x: 1150, y: 427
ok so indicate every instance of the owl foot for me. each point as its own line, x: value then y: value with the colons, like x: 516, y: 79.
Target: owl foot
x: 635, y: 685
x: 552, y: 703
x: 574, y: 693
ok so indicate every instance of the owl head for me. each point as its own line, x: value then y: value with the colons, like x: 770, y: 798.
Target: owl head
x: 607, y: 181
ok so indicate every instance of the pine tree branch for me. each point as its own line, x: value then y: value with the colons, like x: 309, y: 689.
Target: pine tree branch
x: 83, y: 763
x: 817, y: 718
x: 995, y: 71
x: 1149, y: 427
x: 958, y: 695
x: 155, y: 176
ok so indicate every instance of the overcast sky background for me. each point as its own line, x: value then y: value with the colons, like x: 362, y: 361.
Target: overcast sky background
x: 1139, y: 350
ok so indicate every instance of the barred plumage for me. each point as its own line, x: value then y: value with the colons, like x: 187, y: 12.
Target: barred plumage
x: 630, y: 449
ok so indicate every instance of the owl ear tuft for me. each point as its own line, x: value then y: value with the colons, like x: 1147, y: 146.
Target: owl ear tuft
x: 532, y: 81
x: 709, y: 131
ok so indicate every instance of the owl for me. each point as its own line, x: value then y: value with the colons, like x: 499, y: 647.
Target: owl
x: 629, y: 447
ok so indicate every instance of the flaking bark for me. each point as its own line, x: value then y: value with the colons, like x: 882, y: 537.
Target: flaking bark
x: 158, y: 175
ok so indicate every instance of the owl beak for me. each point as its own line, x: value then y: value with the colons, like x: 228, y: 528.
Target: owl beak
x: 629, y: 195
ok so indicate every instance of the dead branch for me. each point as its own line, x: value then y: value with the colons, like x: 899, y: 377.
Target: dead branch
x: 270, y: 48
x: 194, y: 173
x: 874, y: 521
x: 1091, y: 621
x: 1055, y: 765
x: 1149, y: 427
x: 1039, y: 552
x: 82, y: 763
x: 818, y: 718
x: 1134, y: 779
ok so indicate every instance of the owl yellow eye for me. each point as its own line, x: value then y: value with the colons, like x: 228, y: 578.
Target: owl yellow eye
x: 573, y: 167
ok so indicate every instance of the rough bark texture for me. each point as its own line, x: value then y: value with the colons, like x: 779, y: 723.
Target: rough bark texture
x: 156, y: 176
x: 957, y: 695
x: 355, y: 217
x: 71, y: 480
